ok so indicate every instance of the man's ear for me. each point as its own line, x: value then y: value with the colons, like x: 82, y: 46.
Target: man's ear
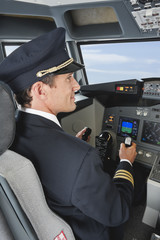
x: 39, y: 90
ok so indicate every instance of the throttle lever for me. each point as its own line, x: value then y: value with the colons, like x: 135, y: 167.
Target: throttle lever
x: 128, y: 141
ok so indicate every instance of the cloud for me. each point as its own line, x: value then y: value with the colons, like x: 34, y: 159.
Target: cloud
x: 106, y: 58
x: 122, y: 72
x: 88, y: 51
x: 152, y: 61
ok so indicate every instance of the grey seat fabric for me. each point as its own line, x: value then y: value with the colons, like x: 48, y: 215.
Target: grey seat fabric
x: 24, y: 213
x: 5, y: 232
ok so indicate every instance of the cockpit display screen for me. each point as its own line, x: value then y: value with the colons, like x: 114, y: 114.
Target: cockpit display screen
x: 128, y: 127
x: 151, y: 133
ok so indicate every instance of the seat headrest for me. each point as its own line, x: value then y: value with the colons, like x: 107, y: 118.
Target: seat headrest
x: 7, y: 117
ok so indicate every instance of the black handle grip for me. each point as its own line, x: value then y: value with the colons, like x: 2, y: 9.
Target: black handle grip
x: 86, y: 134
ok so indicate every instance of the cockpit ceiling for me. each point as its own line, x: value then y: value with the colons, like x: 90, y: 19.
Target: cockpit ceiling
x: 98, y: 15
x: 58, y: 2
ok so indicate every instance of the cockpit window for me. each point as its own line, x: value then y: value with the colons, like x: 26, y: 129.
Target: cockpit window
x: 8, y: 48
x: 118, y: 61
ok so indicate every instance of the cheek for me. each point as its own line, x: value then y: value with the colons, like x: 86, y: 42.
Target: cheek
x: 67, y: 93
x: 63, y: 95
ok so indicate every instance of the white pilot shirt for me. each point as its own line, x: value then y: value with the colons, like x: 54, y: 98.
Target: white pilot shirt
x: 49, y: 116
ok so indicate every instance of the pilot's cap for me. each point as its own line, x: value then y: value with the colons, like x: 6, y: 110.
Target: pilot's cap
x: 34, y: 60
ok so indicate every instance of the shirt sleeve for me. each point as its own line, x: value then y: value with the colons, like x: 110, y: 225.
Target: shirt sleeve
x: 126, y: 160
x: 100, y: 197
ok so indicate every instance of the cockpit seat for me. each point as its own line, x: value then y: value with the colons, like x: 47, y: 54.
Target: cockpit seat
x: 24, y: 213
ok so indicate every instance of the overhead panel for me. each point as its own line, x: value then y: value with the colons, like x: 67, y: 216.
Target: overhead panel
x: 146, y: 14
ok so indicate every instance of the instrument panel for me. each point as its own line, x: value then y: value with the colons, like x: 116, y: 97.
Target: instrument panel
x: 151, y: 90
x: 140, y: 123
x: 151, y: 133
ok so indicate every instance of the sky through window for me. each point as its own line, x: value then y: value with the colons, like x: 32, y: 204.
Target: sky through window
x: 121, y: 61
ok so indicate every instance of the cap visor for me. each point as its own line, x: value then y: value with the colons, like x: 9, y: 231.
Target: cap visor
x: 73, y: 67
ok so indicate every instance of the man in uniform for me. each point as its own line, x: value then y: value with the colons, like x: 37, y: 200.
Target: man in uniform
x: 40, y: 73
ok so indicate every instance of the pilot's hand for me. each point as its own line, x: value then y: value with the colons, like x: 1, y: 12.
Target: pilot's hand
x: 80, y: 134
x: 128, y: 153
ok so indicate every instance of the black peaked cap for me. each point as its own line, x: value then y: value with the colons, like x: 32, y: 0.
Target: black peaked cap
x: 34, y: 60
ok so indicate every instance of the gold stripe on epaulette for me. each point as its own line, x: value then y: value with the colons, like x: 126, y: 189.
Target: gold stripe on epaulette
x: 125, y: 175
x: 54, y: 69
x: 124, y: 171
x: 125, y: 178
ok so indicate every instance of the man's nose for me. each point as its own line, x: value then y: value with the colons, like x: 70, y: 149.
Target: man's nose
x: 76, y: 85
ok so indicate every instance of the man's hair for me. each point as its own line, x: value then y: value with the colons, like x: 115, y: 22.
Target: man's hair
x: 24, y: 96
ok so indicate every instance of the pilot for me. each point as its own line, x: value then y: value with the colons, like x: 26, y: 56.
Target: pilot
x: 40, y: 73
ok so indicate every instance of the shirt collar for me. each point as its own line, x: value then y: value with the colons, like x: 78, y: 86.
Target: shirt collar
x: 49, y: 116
